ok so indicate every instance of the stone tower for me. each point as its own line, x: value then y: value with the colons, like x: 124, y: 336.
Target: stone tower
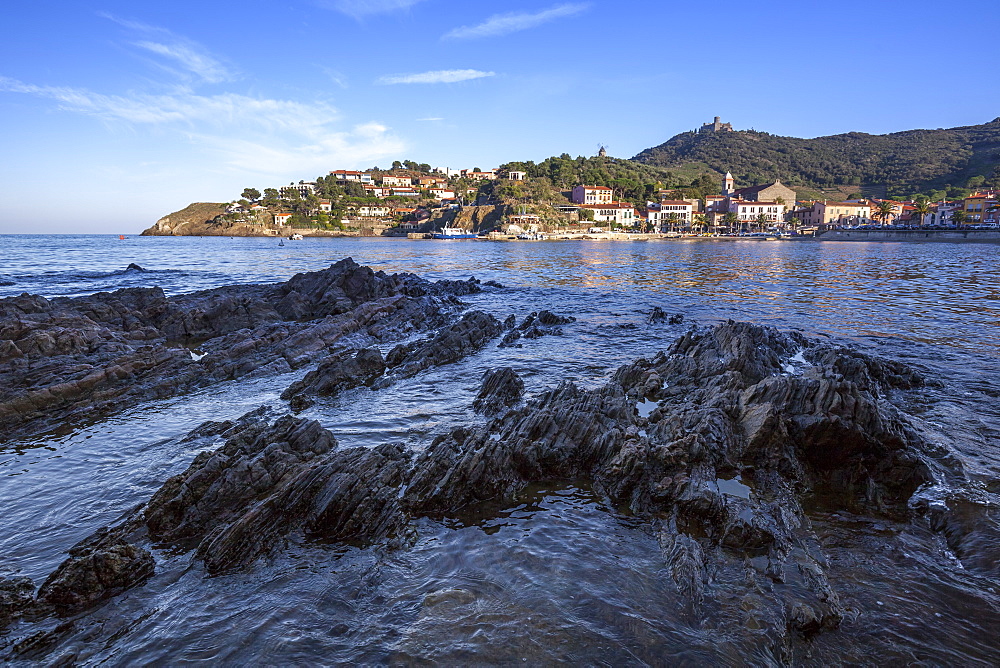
x: 603, y: 153
x: 728, y: 185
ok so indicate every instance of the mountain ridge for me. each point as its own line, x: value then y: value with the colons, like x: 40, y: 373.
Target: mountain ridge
x: 898, y: 164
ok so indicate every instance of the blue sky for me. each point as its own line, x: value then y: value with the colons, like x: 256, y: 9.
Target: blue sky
x: 117, y: 113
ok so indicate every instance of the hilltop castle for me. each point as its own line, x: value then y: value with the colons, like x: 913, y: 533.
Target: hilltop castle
x: 716, y: 126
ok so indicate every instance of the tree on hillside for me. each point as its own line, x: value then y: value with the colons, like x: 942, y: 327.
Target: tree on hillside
x: 271, y: 197
x: 354, y: 189
x: 959, y: 217
x: 251, y: 194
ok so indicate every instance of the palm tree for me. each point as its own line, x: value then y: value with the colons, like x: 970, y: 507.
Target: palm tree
x: 959, y: 217
x: 699, y: 221
x: 884, y: 211
x: 922, y: 208
x: 730, y: 219
x: 762, y: 221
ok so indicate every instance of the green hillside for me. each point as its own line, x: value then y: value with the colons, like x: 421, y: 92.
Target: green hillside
x: 896, y: 164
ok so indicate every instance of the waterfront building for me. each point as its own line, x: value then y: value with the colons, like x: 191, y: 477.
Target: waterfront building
x: 979, y: 207
x: 372, y: 211
x: 837, y: 214
x: 670, y: 212
x: 592, y: 195
x: 622, y: 213
x: 774, y: 191
x: 281, y: 219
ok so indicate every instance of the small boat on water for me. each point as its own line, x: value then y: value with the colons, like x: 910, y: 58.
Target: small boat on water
x: 454, y: 233
x: 295, y: 237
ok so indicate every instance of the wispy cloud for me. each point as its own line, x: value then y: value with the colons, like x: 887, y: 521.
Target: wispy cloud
x: 288, y: 135
x: 191, y: 57
x: 437, y: 76
x: 503, y: 24
x: 202, y: 65
x: 361, y: 8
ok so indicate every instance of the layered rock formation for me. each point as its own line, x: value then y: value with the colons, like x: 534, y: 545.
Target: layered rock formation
x: 66, y: 359
x: 719, y: 443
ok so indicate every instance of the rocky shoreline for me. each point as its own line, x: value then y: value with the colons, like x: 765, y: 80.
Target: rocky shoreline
x: 720, y: 444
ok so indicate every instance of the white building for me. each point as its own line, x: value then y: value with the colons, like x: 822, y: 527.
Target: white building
x: 670, y: 213
x: 592, y: 195
x: 302, y: 187
x: 622, y: 213
x: 750, y: 212
x: 442, y: 193
x: 517, y: 176
x: 393, y: 181
x: 348, y: 175
x: 372, y: 211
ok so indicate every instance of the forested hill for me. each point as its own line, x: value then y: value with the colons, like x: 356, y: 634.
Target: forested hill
x: 900, y: 163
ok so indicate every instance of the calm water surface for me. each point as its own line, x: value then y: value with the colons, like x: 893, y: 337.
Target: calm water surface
x: 557, y: 575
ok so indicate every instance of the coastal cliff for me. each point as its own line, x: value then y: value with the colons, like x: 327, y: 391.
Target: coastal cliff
x: 197, y: 218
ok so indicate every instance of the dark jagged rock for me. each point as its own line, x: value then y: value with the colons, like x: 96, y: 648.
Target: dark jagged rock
x: 99, y: 567
x: 510, y: 322
x: 222, y: 485
x: 676, y: 319
x: 67, y: 359
x: 341, y: 372
x: 134, y: 267
x: 16, y: 595
x: 657, y: 315
x: 717, y: 443
x: 510, y: 339
x: 550, y: 319
x: 500, y: 389
x: 537, y: 325
x: 449, y: 345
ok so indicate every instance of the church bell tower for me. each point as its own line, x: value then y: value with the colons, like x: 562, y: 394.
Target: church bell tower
x: 728, y: 185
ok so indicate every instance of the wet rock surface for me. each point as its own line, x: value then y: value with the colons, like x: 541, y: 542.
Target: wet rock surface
x: 730, y: 449
x: 67, y: 359
x: 500, y: 389
x: 719, y: 443
x: 450, y: 344
x: 534, y: 326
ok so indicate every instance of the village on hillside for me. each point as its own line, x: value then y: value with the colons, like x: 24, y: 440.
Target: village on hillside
x: 413, y: 199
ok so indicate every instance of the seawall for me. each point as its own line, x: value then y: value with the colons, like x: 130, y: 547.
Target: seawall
x: 922, y: 236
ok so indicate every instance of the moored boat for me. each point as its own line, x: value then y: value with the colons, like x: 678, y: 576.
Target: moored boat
x: 454, y: 233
